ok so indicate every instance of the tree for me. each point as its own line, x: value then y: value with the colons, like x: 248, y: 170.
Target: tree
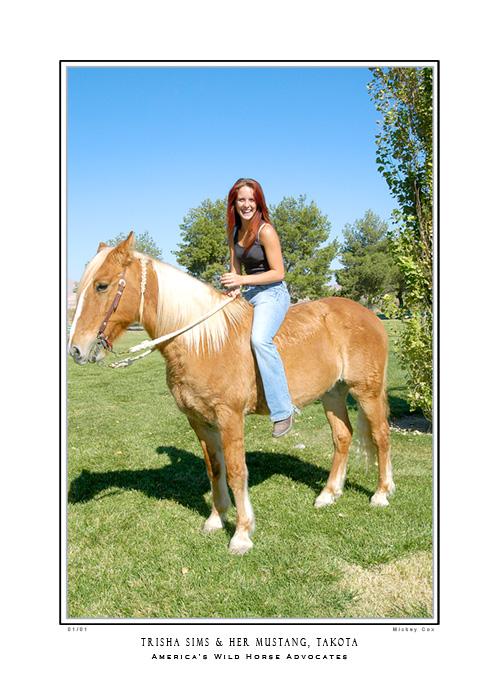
x: 204, y: 250
x: 405, y: 156
x: 143, y: 243
x: 303, y: 231
x: 370, y: 271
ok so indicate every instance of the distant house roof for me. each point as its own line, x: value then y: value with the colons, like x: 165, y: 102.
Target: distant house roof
x: 71, y: 294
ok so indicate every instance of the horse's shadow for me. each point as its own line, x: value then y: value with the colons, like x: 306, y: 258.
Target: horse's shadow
x: 185, y: 480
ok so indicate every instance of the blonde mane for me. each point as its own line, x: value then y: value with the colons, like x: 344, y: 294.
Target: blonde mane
x: 182, y: 299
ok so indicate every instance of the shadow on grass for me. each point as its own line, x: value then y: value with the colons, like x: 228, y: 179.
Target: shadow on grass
x: 185, y: 480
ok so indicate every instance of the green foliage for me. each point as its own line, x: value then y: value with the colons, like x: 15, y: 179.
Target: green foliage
x: 303, y: 230
x: 301, y: 227
x: 204, y: 250
x: 370, y: 271
x: 415, y: 345
x: 405, y: 154
x: 143, y: 243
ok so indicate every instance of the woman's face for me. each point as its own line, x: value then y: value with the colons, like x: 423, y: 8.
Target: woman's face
x: 245, y: 203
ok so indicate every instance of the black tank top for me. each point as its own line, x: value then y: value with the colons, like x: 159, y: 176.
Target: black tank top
x: 255, y: 260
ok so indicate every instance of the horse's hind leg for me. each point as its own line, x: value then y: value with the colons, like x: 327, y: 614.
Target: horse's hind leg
x: 334, y: 403
x: 211, y: 444
x: 377, y: 426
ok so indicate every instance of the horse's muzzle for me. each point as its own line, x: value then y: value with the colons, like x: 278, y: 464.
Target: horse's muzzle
x: 78, y: 356
x: 94, y: 353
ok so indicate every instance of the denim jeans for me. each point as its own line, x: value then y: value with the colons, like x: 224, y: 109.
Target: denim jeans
x: 270, y: 304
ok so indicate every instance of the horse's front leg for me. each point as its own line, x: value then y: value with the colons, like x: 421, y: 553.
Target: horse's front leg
x: 211, y: 444
x: 231, y: 425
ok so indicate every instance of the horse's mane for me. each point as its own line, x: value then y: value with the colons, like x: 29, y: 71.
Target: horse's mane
x: 182, y: 299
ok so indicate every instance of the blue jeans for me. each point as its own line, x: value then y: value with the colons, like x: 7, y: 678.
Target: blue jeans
x: 270, y: 304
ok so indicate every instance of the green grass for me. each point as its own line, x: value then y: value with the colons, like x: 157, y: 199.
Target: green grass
x: 138, y: 496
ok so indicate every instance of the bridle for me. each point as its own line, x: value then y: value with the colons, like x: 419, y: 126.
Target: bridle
x: 148, y: 345
x: 103, y: 339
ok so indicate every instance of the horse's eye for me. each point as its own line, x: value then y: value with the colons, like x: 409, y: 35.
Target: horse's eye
x: 101, y: 287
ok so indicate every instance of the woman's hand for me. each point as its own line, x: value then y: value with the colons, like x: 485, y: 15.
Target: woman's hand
x: 234, y: 292
x: 232, y: 280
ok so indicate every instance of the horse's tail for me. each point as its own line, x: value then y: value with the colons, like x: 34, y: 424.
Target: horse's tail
x: 364, y: 446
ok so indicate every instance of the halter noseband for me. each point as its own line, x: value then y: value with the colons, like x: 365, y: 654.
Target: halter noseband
x: 100, y: 333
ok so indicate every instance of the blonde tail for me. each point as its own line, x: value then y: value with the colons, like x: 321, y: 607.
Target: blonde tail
x: 364, y: 447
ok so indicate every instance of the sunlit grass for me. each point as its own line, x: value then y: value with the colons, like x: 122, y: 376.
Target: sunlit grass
x: 138, y: 495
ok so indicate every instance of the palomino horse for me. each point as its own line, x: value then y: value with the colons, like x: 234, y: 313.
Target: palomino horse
x: 329, y: 347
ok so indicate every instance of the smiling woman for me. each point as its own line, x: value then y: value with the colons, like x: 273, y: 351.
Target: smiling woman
x: 255, y: 248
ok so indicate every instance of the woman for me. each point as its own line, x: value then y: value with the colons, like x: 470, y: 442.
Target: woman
x: 254, y: 244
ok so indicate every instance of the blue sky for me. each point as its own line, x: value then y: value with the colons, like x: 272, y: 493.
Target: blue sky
x: 147, y: 144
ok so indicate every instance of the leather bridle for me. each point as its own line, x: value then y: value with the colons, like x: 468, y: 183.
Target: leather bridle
x: 103, y: 339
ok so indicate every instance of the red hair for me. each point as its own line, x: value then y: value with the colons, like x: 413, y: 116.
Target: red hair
x: 262, y: 213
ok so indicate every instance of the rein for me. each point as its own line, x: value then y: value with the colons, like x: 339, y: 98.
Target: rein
x: 145, y: 344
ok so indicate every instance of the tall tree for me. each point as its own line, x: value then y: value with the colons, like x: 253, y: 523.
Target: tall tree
x: 303, y: 231
x: 404, y: 97
x: 204, y: 250
x: 370, y: 271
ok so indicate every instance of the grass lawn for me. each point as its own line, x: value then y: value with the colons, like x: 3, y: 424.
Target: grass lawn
x: 138, y: 496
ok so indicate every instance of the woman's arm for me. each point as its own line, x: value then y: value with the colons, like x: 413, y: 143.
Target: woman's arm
x: 269, y: 240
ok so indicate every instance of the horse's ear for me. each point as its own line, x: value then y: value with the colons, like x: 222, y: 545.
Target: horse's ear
x: 101, y: 246
x: 123, y: 252
x: 129, y: 244
x: 130, y: 241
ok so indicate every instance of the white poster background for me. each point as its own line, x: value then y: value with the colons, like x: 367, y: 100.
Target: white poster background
x: 35, y: 645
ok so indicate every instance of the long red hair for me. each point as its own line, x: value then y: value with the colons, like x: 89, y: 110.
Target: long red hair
x: 262, y: 213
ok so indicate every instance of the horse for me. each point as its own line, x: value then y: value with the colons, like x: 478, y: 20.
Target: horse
x: 330, y: 347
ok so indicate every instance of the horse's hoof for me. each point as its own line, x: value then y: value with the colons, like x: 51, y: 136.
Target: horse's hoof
x: 213, y: 523
x: 240, y: 544
x: 379, y: 500
x: 325, y: 499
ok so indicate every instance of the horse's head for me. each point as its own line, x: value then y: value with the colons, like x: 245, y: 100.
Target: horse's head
x: 105, y: 307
